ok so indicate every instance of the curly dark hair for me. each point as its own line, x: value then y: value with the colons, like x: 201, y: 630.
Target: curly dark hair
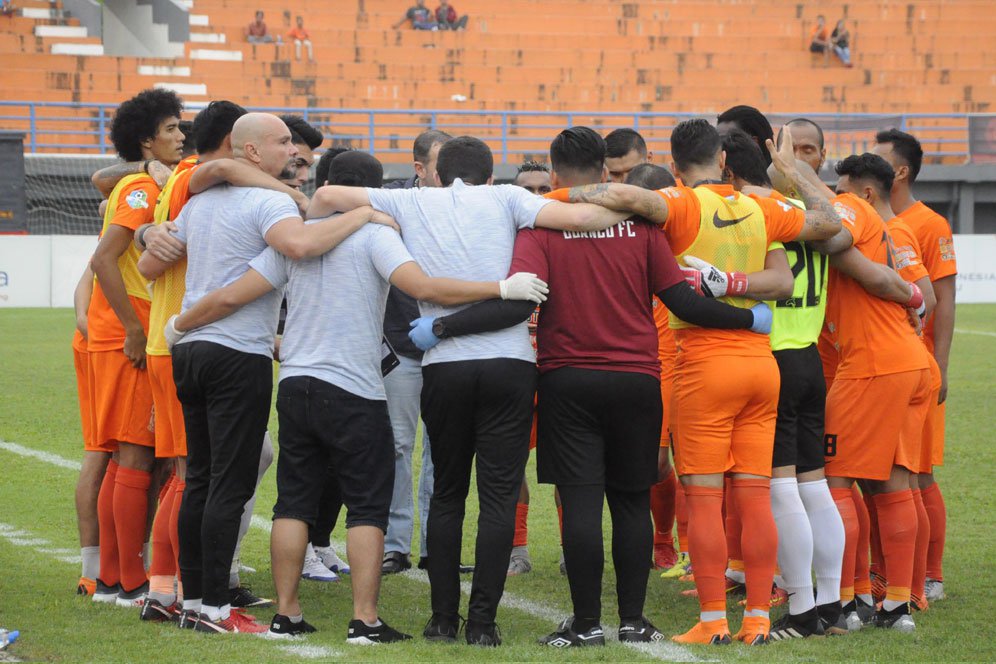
x: 139, y: 118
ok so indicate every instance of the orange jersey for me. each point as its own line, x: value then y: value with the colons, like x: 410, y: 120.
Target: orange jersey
x: 934, y: 235
x: 168, y: 290
x: 130, y: 205
x: 906, y: 251
x: 782, y: 222
x: 872, y: 335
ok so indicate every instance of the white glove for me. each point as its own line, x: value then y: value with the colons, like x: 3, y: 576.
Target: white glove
x: 171, y: 333
x: 710, y: 281
x: 523, y: 286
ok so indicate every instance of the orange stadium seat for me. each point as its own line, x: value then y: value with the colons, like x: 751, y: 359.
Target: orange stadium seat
x: 932, y: 56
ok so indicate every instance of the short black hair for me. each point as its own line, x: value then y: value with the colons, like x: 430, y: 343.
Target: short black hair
x: 870, y: 167
x: 424, y: 142
x: 467, y: 158
x: 354, y: 168
x: 532, y: 167
x: 620, y: 142
x: 214, y: 123
x: 325, y: 163
x: 579, y: 150
x: 744, y: 159
x: 650, y: 176
x: 798, y: 121
x: 302, y: 132
x: 694, y: 143
x: 139, y: 118
x: 751, y: 121
x: 906, y: 146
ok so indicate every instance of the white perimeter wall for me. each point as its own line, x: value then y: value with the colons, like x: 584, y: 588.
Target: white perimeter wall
x: 43, y: 270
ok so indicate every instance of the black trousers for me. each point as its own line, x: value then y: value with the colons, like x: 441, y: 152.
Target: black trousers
x: 225, y: 396
x: 479, y: 408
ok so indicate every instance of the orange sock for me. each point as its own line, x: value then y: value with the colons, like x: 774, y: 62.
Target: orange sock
x: 845, y: 505
x: 681, y: 517
x: 897, y: 529
x: 174, y: 534
x: 130, y: 516
x: 110, y: 573
x: 921, y: 545
x: 874, y: 540
x: 708, y: 546
x: 862, y: 562
x: 933, y: 502
x: 521, y: 524
x: 163, y: 563
x: 734, y: 528
x: 662, y: 509
x: 752, y: 500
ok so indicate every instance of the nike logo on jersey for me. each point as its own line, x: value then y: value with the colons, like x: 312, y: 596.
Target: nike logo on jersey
x: 723, y: 223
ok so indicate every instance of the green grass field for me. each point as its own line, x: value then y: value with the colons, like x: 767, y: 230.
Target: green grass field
x: 38, y: 411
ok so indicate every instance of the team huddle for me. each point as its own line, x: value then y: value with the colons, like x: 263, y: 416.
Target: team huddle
x: 729, y: 346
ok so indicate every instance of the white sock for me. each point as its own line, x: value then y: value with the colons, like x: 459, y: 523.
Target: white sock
x: 91, y: 561
x: 296, y: 619
x: 192, y: 605
x: 828, y: 538
x: 708, y: 616
x: 755, y: 613
x: 378, y: 623
x: 891, y: 604
x: 795, y: 543
x: 217, y: 612
x: 736, y: 575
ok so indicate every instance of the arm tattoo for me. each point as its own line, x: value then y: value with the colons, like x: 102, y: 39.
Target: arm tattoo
x: 820, y: 211
x: 590, y: 193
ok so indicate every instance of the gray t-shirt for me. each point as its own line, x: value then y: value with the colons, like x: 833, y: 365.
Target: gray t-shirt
x: 224, y: 229
x: 465, y: 232
x: 335, y: 309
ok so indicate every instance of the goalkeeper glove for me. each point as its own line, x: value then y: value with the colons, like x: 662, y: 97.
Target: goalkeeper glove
x: 710, y: 281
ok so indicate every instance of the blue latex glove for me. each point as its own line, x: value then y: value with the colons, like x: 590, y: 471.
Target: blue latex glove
x: 422, y: 336
x: 762, y: 318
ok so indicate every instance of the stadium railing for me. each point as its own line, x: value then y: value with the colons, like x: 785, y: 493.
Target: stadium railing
x: 513, y: 135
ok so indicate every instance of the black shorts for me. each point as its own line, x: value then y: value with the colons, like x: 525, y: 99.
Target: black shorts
x: 323, y: 425
x: 598, y: 427
x: 801, y: 409
x: 817, y: 48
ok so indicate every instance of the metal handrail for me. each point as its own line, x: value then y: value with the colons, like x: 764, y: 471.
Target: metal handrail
x: 376, y: 130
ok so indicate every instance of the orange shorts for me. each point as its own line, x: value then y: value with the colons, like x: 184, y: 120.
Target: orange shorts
x: 934, y: 427
x: 171, y: 436
x: 81, y: 361
x: 875, y: 423
x: 122, y: 401
x: 667, y: 390
x: 928, y: 433
x: 723, y: 415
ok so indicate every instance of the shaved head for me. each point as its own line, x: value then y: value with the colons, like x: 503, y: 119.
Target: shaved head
x: 264, y: 140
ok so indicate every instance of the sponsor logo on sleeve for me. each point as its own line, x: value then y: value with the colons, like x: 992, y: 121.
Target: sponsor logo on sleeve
x: 946, y: 247
x: 137, y: 200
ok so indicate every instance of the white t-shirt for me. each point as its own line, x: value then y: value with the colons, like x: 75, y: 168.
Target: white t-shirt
x: 464, y: 232
x: 224, y: 229
x: 335, y: 309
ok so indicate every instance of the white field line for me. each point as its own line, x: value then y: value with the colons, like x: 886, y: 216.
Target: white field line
x: 19, y: 537
x: 979, y: 332
x: 312, y: 652
x: 663, y: 651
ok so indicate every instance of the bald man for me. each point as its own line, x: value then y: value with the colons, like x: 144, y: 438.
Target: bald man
x: 223, y: 371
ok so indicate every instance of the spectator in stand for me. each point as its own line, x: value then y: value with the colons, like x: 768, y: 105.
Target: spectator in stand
x: 299, y: 36
x: 256, y: 32
x: 446, y: 17
x: 841, y: 41
x: 6, y: 7
x: 420, y: 16
x: 819, y: 40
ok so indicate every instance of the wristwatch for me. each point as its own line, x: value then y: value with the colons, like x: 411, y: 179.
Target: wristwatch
x: 439, y: 328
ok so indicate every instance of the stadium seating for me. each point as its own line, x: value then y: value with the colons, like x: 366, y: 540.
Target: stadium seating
x: 924, y: 56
